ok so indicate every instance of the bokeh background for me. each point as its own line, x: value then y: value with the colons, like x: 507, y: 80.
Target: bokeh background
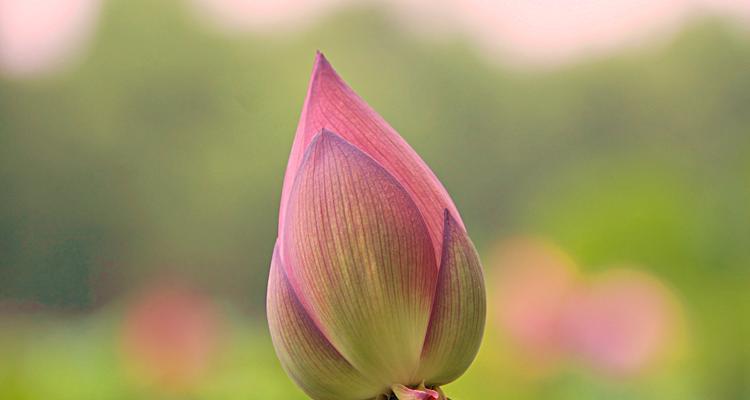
x: 599, y: 153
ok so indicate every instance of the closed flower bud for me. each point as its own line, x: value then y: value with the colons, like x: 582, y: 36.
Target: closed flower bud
x: 375, y: 289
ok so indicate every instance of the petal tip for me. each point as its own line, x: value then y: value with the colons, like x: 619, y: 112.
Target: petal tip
x: 450, y: 225
x: 326, y: 135
x: 320, y: 58
x: 321, y: 65
x: 326, y: 139
x: 322, y: 140
x: 448, y: 219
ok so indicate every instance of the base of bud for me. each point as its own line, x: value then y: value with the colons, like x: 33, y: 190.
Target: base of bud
x: 420, y: 392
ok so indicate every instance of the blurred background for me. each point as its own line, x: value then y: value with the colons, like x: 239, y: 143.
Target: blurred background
x: 599, y: 153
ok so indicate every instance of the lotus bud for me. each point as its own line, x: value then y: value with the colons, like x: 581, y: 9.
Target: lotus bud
x: 375, y: 290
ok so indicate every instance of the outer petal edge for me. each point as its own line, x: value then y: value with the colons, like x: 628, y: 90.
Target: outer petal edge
x: 305, y: 354
x: 459, y: 309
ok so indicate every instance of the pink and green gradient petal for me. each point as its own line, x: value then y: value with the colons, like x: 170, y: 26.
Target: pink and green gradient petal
x: 306, y: 355
x: 360, y: 256
x: 458, y: 314
x: 332, y: 105
x: 375, y: 287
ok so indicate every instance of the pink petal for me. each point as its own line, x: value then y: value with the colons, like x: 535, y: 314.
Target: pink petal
x: 306, y: 355
x: 404, y: 393
x: 359, y: 254
x: 332, y: 105
x: 458, y: 313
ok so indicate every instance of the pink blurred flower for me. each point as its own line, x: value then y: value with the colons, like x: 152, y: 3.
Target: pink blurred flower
x: 39, y: 36
x: 622, y: 322
x: 549, y: 31
x: 738, y: 9
x: 171, y: 336
x: 535, y: 283
x: 552, y: 32
x: 541, y: 32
